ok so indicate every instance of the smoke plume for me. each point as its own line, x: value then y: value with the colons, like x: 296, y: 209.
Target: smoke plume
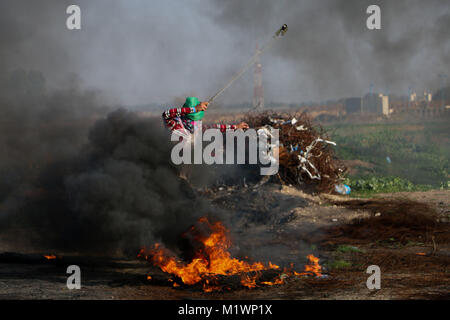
x: 77, y: 177
x: 142, y: 52
x: 119, y: 192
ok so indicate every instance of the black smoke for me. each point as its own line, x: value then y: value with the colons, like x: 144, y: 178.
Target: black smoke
x: 75, y: 176
x: 117, y: 193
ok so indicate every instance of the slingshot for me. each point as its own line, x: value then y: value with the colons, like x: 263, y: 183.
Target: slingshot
x: 280, y: 32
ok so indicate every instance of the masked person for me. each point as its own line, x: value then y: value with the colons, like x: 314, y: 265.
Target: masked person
x: 183, y: 121
x: 186, y: 119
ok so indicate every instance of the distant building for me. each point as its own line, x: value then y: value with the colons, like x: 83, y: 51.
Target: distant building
x: 427, y: 96
x: 353, y: 105
x: 385, y: 105
x: 370, y: 103
x: 375, y: 103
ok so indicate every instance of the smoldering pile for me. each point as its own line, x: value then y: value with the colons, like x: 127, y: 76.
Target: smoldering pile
x: 209, y: 264
x: 306, y: 154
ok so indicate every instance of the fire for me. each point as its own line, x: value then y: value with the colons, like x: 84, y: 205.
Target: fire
x: 213, y: 259
x: 49, y: 257
x: 275, y: 282
x: 313, y: 267
x: 249, y: 281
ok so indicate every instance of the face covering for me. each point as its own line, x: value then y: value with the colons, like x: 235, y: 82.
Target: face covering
x: 192, y: 102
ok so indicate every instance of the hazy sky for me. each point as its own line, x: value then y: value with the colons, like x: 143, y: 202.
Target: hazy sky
x: 142, y: 51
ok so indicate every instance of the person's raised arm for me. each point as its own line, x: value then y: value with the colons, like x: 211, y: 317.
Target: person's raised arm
x: 225, y: 127
x: 177, y: 112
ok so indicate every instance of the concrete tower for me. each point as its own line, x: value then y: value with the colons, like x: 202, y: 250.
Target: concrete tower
x: 258, y: 91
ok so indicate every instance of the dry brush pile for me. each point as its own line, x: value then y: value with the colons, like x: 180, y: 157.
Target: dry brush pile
x: 306, y: 155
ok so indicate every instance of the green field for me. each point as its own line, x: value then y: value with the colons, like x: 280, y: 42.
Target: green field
x: 419, y: 155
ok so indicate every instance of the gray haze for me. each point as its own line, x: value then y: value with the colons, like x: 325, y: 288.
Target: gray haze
x: 76, y: 179
x: 140, y: 52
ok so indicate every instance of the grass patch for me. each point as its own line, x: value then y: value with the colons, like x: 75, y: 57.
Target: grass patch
x: 414, y: 244
x: 339, y: 264
x: 410, y: 156
x: 347, y: 249
x: 366, y: 186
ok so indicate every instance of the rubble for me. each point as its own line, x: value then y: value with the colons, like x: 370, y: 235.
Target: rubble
x: 306, y: 155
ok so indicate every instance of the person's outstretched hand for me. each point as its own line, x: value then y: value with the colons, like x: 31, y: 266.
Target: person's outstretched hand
x: 242, y: 125
x: 202, y: 106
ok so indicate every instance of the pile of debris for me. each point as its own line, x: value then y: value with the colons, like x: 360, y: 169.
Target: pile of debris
x: 306, y: 155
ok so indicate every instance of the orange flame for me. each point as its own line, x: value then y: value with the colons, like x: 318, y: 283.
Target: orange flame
x: 49, y: 257
x: 214, y: 259
x: 314, y: 266
x: 275, y: 282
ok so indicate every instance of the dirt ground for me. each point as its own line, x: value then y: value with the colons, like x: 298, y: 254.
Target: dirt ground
x: 406, y: 234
